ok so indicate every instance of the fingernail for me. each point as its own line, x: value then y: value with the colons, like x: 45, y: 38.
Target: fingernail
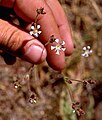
x: 35, y: 54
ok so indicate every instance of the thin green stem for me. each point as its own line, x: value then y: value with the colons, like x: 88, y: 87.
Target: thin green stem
x: 35, y: 21
x: 47, y: 43
x: 70, y: 93
x: 76, y: 80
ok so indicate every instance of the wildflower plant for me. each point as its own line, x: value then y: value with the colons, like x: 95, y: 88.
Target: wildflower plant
x: 86, y: 51
x: 76, y: 105
x: 33, y: 99
x: 56, y: 44
x: 34, y: 31
x: 76, y: 108
x: 17, y: 84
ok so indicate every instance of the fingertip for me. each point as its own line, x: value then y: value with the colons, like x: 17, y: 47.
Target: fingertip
x: 56, y: 65
x: 70, y: 49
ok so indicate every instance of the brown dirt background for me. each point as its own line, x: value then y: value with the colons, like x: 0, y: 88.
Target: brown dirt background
x: 53, y: 100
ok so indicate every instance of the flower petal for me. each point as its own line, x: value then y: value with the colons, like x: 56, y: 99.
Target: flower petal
x: 32, y: 27
x: 88, y: 47
x: 38, y: 26
x: 57, y: 52
x: 57, y: 40
x: 63, y: 43
x: 35, y: 34
x: 83, y: 54
x: 91, y: 51
x: 84, y: 48
x: 53, y: 47
x: 31, y: 32
x: 63, y: 49
x: 39, y: 32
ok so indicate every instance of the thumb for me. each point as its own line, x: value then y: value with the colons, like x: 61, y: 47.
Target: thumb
x: 20, y: 43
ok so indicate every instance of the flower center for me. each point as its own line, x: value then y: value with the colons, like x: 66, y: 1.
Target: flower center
x: 87, y: 51
x: 35, y: 31
x: 58, y: 46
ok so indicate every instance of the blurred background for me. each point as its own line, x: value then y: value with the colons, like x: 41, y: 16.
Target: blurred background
x: 42, y: 93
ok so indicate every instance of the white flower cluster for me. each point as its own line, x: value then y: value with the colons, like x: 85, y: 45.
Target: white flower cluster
x: 35, y: 31
x: 58, y: 46
x: 86, y: 51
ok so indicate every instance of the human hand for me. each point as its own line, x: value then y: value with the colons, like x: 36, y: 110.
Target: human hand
x: 21, y: 44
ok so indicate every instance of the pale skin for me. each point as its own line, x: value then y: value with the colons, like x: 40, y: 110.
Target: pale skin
x: 20, y: 43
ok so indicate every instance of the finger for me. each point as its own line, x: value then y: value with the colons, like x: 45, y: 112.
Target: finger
x: 63, y: 24
x: 18, y: 42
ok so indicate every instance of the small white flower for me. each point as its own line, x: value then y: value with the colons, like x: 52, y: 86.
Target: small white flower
x: 35, y: 30
x: 17, y: 85
x: 87, y: 51
x: 74, y: 111
x: 58, y: 47
x: 32, y: 101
